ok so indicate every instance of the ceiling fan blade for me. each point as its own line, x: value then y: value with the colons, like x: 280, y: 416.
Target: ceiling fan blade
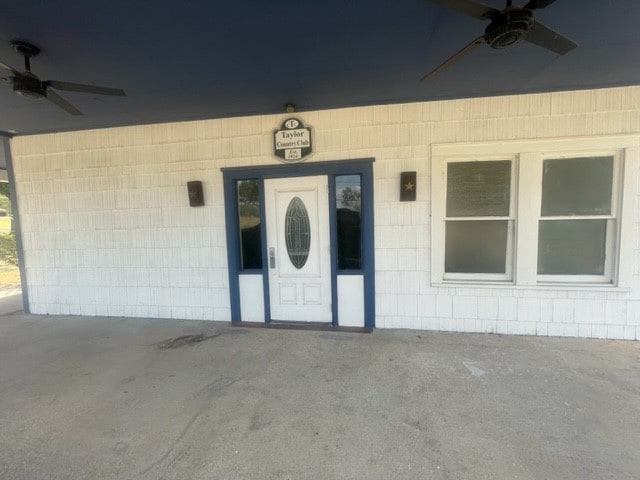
x: 455, y: 57
x: 62, y: 103
x: 546, y: 38
x: 9, y: 67
x: 79, y: 87
x: 467, y: 7
x: 535, y: 4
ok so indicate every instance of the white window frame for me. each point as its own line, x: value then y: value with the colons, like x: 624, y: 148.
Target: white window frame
x: 528, y: 158
x: 612, y: 221
x: 510, y: 219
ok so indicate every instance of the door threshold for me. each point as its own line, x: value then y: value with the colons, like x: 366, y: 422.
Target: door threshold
x: 318, y: 327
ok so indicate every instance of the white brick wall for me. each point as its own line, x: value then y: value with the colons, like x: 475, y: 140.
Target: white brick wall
x: 108, y: 231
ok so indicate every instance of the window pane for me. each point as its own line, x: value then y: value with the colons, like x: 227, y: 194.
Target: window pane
x: 476, y: 189
x: 577, y: 186
x: 571, y: 247
x: 297, y: 232
x: 348, y: 220
x: 249, y: 223
x: 476, y: 246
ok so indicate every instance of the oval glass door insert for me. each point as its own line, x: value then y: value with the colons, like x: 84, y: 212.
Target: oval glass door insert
x: 297, y: 232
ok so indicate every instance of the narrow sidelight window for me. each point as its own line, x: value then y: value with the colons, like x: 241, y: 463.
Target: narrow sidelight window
x: 249, y: 224
x: 348, y: 208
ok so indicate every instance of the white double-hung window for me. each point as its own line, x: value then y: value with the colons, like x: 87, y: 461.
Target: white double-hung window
x: 577, y: 229
x: 479, y: 206
x: 534, y: 212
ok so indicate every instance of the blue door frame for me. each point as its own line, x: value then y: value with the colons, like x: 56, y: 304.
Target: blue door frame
x: 362, y: 167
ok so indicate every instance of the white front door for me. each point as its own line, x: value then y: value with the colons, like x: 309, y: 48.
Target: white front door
x: 298, y: 248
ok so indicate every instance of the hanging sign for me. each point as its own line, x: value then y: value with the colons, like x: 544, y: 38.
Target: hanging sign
x: 292, y: 142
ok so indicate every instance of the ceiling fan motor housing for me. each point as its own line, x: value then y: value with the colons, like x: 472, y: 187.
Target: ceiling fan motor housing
x: 508, y: 28
x: 28, y: 86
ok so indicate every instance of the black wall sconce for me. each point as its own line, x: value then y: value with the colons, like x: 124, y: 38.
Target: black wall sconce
x: 196, y: 196
x: 408, y: 186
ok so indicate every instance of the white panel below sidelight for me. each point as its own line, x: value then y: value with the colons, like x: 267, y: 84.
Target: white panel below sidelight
x: 350, y: 300
x: 251, y: 298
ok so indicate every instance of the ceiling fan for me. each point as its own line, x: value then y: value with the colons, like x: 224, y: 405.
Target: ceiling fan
x: 27, y: 84
x: 508, y: 26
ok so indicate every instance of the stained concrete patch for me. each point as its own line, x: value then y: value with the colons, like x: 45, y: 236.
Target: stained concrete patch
x: 184, y: 340
x: 129, y: 379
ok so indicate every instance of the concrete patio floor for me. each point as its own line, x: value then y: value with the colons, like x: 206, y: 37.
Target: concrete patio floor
x: 117, y: 398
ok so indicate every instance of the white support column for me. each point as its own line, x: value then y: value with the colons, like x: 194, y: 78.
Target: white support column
x: 631, y: 164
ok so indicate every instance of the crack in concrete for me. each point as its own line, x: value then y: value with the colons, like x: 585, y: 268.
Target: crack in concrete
x: 210, y: 390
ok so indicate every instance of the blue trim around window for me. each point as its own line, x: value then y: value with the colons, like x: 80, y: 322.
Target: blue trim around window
x: 233, y: 244
x: 265, y: 255
x: 363, y: 167
x: 368, y: 247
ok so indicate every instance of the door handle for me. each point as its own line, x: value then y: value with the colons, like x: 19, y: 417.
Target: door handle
x: 272, y: 257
